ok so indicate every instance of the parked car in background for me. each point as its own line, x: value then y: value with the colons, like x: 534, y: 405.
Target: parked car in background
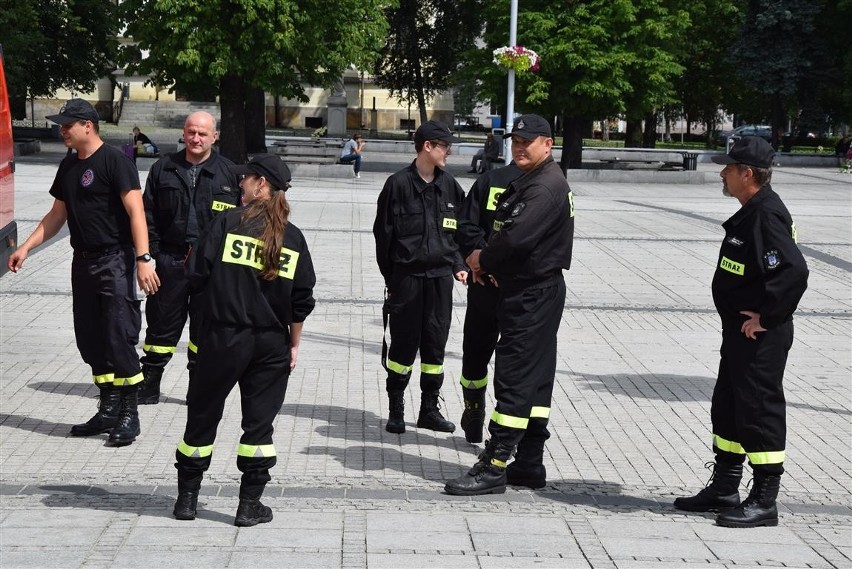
x: 761, y: 130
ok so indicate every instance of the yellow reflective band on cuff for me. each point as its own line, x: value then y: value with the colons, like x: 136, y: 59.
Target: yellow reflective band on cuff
x: 256, y: 451
x: 732, y: 266
x: 766, y: 457
x: 221, y: 206
x: 540, y: 413
x: 398, y: 367
x: 727, y: 446
x: 509, y: 421
x: 195, y: 452
x: 133, y: 380
x: 192, y: 347
x: 103, y: 378
x: 158, y: 349
x: 498, y: 463
x: 474, y: 383
x: 433, y: 369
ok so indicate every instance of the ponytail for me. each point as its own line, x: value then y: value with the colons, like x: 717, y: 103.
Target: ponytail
x: 274, y: 214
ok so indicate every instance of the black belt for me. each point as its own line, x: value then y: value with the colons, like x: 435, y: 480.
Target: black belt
x: 95, y: 254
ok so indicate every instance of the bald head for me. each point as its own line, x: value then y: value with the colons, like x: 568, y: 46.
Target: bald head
x: 199, y: 135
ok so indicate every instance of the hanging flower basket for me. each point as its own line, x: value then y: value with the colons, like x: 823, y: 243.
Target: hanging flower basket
x: 516, y: 57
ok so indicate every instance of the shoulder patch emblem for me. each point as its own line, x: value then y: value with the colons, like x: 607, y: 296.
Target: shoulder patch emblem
x: 771, y: 259
x: 519, y: 207
x: 735, y: 242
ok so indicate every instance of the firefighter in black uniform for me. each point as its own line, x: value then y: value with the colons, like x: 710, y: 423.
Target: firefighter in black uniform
x: 418, y: 257
x: 255, y: 272
x: 760, y: 277
x: 184, y: 191
x: 96, y: 190
x: 476, y: 221
x: 530, y: 245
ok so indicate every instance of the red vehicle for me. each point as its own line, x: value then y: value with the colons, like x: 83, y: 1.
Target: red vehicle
x: 8, y: 226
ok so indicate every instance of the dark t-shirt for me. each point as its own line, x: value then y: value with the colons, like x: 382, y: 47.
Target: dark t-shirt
x: 91, y: 190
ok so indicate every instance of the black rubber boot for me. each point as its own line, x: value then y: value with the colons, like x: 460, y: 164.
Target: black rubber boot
x: 127, y: 429
x: 721, y: 492
x: 488, y: 475
x: 186, y: 505
x: 106, y: 418
x: 149, y: 389
x: 396, y: 412
x: 759, y: 508
x: 430, y: 415
x: 528, y: 467
x: 473, y: 417
x: 251, y: 512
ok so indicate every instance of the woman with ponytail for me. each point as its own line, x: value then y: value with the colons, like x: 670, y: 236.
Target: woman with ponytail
x: 253, y: 279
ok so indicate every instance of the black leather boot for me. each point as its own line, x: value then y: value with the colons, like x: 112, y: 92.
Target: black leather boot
x: 759, y: 508
x: 186, y: 505
x: 396, y: 412
x: 488, y: 475
x: 251, y: 512
x: 473, y: 417
x: 107, y: 416
x: 430, y: 415
x: 127, y: 429
x: 528, y: 467
x: 721, y: 492
x: 149, y: 389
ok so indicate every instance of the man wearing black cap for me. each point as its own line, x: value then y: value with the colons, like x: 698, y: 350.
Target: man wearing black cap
x: 760, y: 277
x: 418, y: 257
x: 183, y: 193
x: 530, y: 246
x: 255, y: 278
x: 96, y: 190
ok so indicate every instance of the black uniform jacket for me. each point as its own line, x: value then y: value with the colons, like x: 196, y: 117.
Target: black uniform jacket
x: 760, y: 267
x: 416, y: 224
x: 533, y: 229
x: 167, y: 198
x: 224, y: 266
x: 476, y: 218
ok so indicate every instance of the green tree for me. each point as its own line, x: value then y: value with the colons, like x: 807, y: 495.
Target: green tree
x: 57, y: 44
x: 243, y: 47
x: 422, y: 52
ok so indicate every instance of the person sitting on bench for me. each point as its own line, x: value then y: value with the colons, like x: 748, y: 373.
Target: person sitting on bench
x: 488, y: 154
x: 352, y: 153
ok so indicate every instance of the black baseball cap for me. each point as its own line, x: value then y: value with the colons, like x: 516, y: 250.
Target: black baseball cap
x: 434, y: 130
x: 748, y: 150
x: 75, y: 110
x: 529, y: 127
x: 269, y: 166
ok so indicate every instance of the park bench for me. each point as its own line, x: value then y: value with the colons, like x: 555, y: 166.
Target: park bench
x: 630, y: 159
x: 308, y: 151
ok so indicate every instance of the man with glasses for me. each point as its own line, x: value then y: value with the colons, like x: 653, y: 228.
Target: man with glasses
x: 530, y: 245
x: 418, y: 257
x: 184, y: 191
x: 97, y: 192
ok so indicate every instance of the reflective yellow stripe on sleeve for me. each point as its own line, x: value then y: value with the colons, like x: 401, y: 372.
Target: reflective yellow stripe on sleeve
x: 726, y: 445
x: 474, y: 383
x: 103, y: 378
x: 194, y: 452
x: 509, y: 421
x: 256, y: 451
x: 132, y: 380
x: 158, y: 349
x: 431, y: 369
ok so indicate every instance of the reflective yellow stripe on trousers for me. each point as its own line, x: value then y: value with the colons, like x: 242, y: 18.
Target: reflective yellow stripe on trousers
x: 103, y: 378
x: 509, y: 421
x: 256, y: 451
x: 433, y: 369
x: 474, y: 383
x: 194, y: 452
x: 158, y: 349
x: 132, y: 380
x: 397, y: 367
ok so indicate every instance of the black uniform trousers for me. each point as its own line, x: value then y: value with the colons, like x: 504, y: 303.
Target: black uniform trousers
x: 107, y: 314
x: 259, y: 362
x: 480, y: 334
x: 420, y: 313
x: 166, y: 313
x: 748, y: 409
x: 525, y: 364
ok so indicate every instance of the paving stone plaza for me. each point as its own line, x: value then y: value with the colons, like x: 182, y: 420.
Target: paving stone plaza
x: 638, y: 353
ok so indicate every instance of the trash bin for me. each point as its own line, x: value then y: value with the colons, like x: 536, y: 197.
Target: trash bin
x: 690, y: 160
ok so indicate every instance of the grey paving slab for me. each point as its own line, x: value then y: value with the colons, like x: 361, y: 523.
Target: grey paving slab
x: 638, y: 351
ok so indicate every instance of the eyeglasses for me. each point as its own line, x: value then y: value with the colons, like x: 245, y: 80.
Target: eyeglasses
x: 447, y: 148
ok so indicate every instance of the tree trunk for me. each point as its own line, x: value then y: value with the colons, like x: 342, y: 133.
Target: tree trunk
x: 255, y: 121
x: 572, y: 142
x: 649, y: 137
x: 633, y: 135
x: 232, y: 138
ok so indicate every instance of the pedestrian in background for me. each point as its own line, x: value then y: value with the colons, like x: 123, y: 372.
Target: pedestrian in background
x: 185, y: 190
x: 351, y: 152
x: 418, y: 257
x: 255, y: 278
x: 485, y: 156
x: 97, y: 191
x: 530, y: 245
x: 760, y: 277
x: 476, y: 222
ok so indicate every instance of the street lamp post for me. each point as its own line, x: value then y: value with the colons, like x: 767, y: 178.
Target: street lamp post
x: 510, y: 96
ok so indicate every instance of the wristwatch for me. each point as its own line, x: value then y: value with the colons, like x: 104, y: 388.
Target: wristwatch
x: 146, y: 257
